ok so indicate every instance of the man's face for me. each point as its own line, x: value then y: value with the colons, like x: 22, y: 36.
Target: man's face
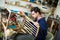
x: 34, y: 14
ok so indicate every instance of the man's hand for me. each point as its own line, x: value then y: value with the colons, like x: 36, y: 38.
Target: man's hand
x: 36, y: 24
x: 22, y: 13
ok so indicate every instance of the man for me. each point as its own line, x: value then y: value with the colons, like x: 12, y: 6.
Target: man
x: 39, y: 22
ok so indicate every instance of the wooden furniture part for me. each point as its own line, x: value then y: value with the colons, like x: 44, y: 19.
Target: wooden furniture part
x: 52, y: 25
x: 28, y: 25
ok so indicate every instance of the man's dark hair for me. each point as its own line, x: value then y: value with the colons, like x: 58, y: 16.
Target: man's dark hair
x: 36, y: 9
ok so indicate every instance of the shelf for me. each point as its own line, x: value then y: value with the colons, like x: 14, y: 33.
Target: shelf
x: 16, y: 8
x: 23, y: 4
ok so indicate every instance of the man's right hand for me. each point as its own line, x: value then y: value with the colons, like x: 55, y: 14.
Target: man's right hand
x: 22, y: 13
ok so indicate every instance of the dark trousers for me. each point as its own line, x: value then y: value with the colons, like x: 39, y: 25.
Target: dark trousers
x: 23, y: 37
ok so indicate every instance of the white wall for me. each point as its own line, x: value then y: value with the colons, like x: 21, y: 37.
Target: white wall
x: 2, y: 3
x: 57, y: 11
